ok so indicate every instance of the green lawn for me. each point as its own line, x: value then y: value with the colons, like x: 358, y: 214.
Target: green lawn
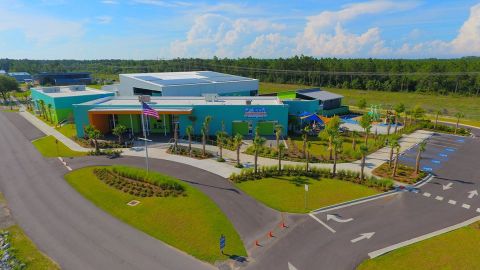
x: 287, y: 193
x: 456, y: 250
x: 319, y: 147
x: 48, y: 148
x: 69, y: 130
x: 470, y: 106
x: 193, y: 223
x: 28, y: 253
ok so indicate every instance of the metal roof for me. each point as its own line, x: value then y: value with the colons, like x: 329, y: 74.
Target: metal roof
x: 319, y: 94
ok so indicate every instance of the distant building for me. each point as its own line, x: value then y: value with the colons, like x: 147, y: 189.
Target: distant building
x: 59, y: 79
x: 3, y: 72
x: 21, y: 77
x: 314, y: 100
x: 194, y: 83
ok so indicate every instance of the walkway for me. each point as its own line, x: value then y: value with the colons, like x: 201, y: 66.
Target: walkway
x: 65, y: 225
x: 158, y: 151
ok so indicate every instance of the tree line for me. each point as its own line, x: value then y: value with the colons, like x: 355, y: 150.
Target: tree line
x: 440, y: 76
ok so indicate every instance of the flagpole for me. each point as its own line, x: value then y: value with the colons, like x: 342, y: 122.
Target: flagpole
x: 146, y: 142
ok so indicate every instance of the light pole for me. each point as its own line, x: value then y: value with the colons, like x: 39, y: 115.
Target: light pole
x: 142, y: 99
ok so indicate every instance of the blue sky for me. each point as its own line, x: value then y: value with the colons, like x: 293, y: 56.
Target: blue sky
x: 151, y: 29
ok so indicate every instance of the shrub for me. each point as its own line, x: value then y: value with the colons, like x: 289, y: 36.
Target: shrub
x: 315, y: 172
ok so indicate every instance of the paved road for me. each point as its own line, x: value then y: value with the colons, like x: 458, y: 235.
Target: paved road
x: 62, y: 223
x: 393, y: 219
x: 250, y: 218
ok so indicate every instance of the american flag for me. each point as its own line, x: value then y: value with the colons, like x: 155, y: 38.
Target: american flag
x: 148, y: 111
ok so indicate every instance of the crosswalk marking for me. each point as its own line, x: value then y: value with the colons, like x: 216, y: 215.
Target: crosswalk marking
x: 466, y: 206
x: 452, y: 202
x: 426, y: 194
x: 439, y: 198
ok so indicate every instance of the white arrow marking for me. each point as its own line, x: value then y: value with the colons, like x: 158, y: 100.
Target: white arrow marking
x: 335, y: 218
x: 363, y: 236
x: 291, y: 267
x: 472, y: 193
x: 447, y: 186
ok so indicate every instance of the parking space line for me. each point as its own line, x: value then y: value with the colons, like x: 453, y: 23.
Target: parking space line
x: 323, y: 223
x: 466, y: 206
x: 426, y: 194
x: 439, y: 198
x: 452, y: 202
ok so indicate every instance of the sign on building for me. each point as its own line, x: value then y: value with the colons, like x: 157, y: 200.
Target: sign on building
x: 255, y: 112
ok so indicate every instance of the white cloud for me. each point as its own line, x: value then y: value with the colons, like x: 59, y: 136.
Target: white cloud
x: 104, y: 19
x: 109, y: 2
x: 38, y: 28
x: 468, y: 39
x: 160, y: 3
x: 214, y: 34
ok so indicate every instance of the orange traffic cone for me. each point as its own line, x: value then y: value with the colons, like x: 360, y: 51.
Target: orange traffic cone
x: 257, y: 243
x: 282, y: 225
x: 270, y: 234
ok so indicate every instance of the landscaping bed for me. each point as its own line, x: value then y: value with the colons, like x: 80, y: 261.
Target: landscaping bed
x: 191, y: 223
x: 315, y: 173
x: 183, y: 151
x: 405, y: 174
x: 135, y: 182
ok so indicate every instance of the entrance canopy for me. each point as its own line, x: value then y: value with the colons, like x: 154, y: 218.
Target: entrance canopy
x: 312, y: 117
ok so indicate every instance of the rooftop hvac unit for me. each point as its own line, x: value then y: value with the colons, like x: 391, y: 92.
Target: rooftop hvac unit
x: 210, y: 97
x: 51, y: 89
x: 77, y: 87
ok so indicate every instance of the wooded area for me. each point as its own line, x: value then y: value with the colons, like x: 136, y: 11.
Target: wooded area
x: 441, y: 76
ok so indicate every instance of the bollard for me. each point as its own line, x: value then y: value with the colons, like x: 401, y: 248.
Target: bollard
x: 270, y: 234
x: 257, y: 243
x: 282, y: 225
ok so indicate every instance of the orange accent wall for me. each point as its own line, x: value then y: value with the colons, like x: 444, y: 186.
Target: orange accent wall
x: 100, y: 122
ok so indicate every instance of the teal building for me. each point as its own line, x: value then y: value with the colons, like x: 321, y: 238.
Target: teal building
x: 57, y: 102
x: 230, y: 113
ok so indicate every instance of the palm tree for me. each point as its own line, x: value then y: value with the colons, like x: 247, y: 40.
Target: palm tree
x: 354, y: 140
x: 192, y: 119
x: 393, y: 144
x: 278, y: 133
x: 437, y: 113
x: 189, y: 132
x: 118, y: 131
x: 204, y: 139
x: 363, y: 152
x: 331, y: 131
x: 458, y: 115
x: 175, y: 137
x: 258, y: 142
x: 408, y: 114
x: 221, y: 135
x: 49, y: 107
x: 281, y: 147
x: 307, y: 158
x: 399, y: 109
x: 395, y: 165
x: 93, y: 135
x: 337, y: 147
x: 206, y: 124
x: 305, y: 132
x: 237, y: 143
x: 389, y: 122
x: 421, y: 148
x: 366, y: 124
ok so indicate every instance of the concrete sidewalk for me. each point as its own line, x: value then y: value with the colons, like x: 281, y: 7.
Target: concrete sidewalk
x: 225, y: 169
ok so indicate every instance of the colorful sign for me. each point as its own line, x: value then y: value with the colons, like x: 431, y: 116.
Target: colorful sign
x: 255, y: 112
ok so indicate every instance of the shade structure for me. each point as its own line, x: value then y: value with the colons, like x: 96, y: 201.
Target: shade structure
x: 312, y: 117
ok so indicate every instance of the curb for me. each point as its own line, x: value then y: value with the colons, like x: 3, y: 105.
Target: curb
x: 382, y: 251
x: 420, y: 183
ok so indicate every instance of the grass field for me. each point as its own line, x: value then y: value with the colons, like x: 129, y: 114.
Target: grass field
x: 48, y: 148
x: 28, y: 253
x: 192, y: 223
x: 456, y: 250
x: 287, y: 193
x: 69, y: 130
x: 470, y: 106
